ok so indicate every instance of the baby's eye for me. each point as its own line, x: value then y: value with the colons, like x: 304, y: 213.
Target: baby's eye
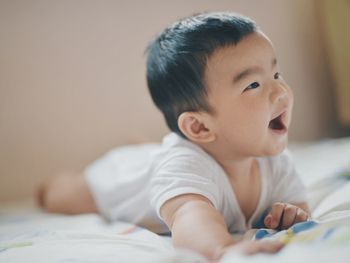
x: 254, y: 85
x: 277, y: 75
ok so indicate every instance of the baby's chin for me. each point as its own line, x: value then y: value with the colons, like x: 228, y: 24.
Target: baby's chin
x: 277, y: 149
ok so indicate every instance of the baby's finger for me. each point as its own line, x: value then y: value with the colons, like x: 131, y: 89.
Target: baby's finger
x: 289, y: 214
x: 276, y: 213
x: 270, y: 246
x: 267, y: 221
x: 301, y: 216
x: 265, y: 246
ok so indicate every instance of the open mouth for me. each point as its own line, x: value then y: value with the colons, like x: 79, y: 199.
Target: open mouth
x: 277, y: 124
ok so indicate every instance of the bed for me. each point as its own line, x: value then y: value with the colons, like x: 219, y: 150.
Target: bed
x: 28, y: 234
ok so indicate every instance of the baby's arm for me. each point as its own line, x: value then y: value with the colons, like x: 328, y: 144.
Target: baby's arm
x: 284, y: 215
x: 195, y: 224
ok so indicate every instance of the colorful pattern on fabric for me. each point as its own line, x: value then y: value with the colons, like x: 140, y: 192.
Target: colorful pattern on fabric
x: 309, y: 232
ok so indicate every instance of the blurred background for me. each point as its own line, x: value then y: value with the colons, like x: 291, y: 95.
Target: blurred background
x: 73, y: 86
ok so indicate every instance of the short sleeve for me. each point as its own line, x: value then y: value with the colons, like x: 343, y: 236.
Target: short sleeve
x: 288, y: 186
x: 183, y: 174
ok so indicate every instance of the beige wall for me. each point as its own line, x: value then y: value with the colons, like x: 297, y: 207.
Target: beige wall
x: 72, y: 78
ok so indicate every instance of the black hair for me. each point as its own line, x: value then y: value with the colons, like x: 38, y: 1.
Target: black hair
x: 177, y: 61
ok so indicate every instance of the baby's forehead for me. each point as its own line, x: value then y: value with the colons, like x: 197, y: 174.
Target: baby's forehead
x: 232, y: 63
x: 255, y: 48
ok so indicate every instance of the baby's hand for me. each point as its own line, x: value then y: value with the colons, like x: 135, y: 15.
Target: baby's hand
x: 283, y: 215
x: 250, y: 247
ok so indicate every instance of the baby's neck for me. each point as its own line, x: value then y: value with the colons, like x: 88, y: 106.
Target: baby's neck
x: 237, y: 169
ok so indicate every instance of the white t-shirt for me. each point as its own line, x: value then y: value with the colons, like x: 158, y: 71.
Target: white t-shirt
x: 132, y: 183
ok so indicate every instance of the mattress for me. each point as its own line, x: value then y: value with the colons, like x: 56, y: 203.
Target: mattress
x: 28, y: 234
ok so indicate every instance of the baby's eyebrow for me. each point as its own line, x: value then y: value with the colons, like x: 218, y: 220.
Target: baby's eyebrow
x: 252, y: 70
x: 249, y: 71
x: 274, y: 62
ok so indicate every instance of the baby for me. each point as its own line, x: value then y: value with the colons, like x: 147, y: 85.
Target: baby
x: 224, y: 168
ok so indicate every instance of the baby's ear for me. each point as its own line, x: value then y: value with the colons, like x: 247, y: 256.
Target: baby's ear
x: 192, y: 125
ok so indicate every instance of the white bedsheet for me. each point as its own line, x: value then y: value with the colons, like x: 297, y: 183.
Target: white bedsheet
x: 30, y: 235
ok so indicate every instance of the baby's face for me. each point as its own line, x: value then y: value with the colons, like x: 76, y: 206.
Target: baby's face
x: 252, y: 102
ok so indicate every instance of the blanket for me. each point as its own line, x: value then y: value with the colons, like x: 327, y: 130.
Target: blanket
x: 28, y: 234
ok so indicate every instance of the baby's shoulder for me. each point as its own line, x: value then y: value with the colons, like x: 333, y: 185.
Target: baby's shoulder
x: 178, y: 152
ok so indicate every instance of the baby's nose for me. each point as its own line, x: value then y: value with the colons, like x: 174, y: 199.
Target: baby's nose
x: 278, y: 93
